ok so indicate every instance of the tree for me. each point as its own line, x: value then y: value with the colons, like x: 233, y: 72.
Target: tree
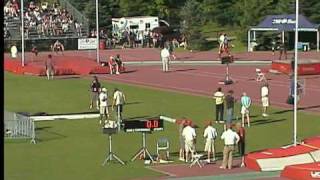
x: 191, y: 15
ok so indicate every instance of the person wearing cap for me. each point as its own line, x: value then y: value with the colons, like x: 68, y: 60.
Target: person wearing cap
x: 103, y: 102
x: 230, y: 138
x: 95, y: 89
x: 49, y: 67
x: 265, y: 99
x: 230, y: 100
x: 210, y: 133
x: 245, y: 105
x: 219, y: 101
x: 119, y: 100
x: 189, y: 135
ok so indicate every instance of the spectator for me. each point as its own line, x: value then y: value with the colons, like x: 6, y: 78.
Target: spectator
x: 219, y: 101
x: 245, y: 105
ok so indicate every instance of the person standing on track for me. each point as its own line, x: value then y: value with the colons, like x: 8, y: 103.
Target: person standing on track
x: 245, y: 105
x: 230, y: 138
x: 165, y: 58
x: 49, y: 67
x: 95, y: 89
x: 219, y: 101
x: 210, y: 133
x: 265, y: 98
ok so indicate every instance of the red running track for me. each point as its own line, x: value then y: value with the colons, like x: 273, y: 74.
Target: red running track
x: 152, y: 54
x: 203, y: 80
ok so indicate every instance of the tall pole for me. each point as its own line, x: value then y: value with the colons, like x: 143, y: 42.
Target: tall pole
x: 22, y: 34
x: 97, y: 29
x: 295, y: 75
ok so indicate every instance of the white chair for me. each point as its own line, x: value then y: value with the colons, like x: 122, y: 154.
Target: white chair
x: 259, y: 75
x: 196, y: 160
x: 163, y: 145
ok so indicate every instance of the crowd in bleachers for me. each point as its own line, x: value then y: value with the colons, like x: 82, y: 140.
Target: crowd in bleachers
x: 44, y: 19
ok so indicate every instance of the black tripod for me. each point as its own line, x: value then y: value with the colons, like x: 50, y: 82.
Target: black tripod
x: 143, y: 149
x: 111, y: 155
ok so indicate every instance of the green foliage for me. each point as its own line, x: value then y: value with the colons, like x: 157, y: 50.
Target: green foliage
x: 194, y: 14
x: 75, y: 149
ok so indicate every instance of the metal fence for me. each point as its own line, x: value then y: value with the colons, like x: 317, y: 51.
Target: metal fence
x: 76, y: 14
x: 18, y: 126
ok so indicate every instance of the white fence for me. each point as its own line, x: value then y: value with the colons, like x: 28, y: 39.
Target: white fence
x: 18, y: 126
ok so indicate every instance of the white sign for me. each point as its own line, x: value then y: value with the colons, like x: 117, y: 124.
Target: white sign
x: 283, y: 21
x: 87, y: 43
x: 315, y: 174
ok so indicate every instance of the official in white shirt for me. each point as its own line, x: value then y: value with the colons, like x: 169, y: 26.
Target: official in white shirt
x: 189, y: 135
x: 230, y: 138
x: 165, y: 58
x: 119, y: 100
x: 210, y: 133
x: 103, y: 101
x: 265, y: 98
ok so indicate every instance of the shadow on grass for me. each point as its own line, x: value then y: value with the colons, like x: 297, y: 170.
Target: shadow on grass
x: 42, y: 134
x: 301, y: 108
x: 266, y: 121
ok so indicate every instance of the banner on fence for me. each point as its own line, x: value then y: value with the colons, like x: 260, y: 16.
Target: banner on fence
x: 87, y: 43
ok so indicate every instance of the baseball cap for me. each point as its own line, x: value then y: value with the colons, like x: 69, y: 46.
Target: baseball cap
x: 104, y: 90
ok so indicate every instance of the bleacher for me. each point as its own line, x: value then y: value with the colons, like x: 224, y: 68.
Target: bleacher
x: 13, y: 25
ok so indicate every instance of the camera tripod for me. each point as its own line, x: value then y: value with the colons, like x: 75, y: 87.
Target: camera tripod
x: 111, y: 154
x: 143, y: 149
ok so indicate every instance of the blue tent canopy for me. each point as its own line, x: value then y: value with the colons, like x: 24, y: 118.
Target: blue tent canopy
x: 283, y: 23
x: 286, y: 22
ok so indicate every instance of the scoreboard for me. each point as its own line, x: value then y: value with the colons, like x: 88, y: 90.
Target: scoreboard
x: 144, y: 125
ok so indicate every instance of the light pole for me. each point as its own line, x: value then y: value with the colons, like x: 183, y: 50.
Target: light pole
x: 295, y: 75
x: 97, y: 29
x: 22, y: 34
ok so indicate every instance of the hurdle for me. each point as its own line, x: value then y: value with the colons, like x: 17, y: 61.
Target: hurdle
x: 18, y: 126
